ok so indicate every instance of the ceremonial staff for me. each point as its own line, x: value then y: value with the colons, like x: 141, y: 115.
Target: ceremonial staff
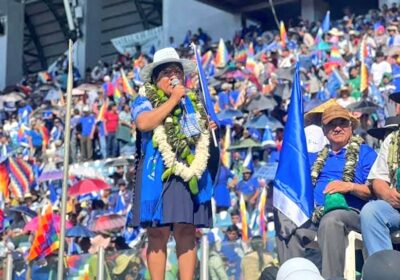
x: 60, y: 267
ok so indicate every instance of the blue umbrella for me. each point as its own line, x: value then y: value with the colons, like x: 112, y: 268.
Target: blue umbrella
x: 53, y: 95
x: 23, y: 210
x: 229, y: 114
x: 263, y: 121
x: 260, y: 103
x: 79, y: 231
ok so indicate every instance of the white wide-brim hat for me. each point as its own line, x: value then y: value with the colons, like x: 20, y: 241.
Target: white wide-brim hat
x: 163, y: 56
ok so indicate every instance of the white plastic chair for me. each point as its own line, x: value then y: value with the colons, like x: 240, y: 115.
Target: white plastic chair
x: 354, y: 242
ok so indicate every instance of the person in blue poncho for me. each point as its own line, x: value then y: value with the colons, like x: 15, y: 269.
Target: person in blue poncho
x: 176, y: 163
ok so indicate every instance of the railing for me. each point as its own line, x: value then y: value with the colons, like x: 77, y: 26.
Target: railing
x: 109, y: 265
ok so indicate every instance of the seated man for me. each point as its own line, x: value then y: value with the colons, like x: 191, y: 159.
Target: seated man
x: 340, y: 169
x: 381, y: 217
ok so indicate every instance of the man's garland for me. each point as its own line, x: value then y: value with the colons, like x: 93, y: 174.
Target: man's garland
x: 352, y: 154
x: 175, y: 147
x: 393, y: 158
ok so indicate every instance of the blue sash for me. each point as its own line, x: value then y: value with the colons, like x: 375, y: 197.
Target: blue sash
x: 151, y: 201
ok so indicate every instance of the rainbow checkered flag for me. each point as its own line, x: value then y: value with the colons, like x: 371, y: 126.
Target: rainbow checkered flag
x: 46, y: 239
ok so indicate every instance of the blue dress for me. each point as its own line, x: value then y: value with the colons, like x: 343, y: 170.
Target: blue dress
x: 221, y: 191
x: 172, y: 201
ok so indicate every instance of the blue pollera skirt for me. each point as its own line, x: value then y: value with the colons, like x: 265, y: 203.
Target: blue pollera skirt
x: 179, y: 206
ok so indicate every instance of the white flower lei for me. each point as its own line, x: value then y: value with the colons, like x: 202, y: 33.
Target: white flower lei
x: 201, y: 155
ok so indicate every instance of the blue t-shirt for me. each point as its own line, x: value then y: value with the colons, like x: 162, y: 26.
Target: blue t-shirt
x: 248, y: 187
x: 333, y: 170
x: 234, y: 96
x: 37, y: 138
x: 87, y: 123
x: 223, y: 100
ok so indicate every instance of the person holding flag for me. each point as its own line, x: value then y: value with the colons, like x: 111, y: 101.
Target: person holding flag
x: 174, y: 177
x: 337, y: 186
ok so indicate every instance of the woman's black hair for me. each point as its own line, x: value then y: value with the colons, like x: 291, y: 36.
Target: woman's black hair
x: 157, y: 70
x: 257, y: 245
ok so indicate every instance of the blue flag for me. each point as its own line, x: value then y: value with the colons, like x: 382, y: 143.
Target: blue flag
x: 324, y: 28
x: 120, y: 205
x: 293, y: 192
x: 204, y: 86
x: 326, y: 24
x: 53, y: 193
x: 248, y: 160
x: 267, y: 138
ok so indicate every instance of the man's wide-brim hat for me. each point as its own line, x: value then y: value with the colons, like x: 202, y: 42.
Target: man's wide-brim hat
x: 391, y: 124
x: 338, y: 112
x: 163, y: 56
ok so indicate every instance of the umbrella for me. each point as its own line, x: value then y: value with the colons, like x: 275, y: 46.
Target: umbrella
x: 39, y: 112
x: 246, y: 143
x: 315, y: 114
x: 53, y: 94
x: 235, y: 74
x: 77, y: 92
x: 364, y: 107
x: 263, y: 121
x: 33, y: 224
x: 89, y: 87
x: 87, y: 186
x: 261, y: 102
x: 117, y: 162
x: 50, y: 175
x: 79, y: 231
x: 229, y: 114
x: 323, y: 46
x: 108, y: 222
x: 44, y: 88
x: 11, y: 97
x: 23, y: 210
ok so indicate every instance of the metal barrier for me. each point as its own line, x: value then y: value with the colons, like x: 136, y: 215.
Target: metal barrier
x: 204, y: 248
x: 9, y: 267
x: 100, y: 264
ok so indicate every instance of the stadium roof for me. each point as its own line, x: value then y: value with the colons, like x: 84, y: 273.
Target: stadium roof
x: 257, y: 10
x: 240, y: 6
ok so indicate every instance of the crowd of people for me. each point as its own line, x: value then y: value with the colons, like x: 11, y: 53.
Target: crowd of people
x: 249, y: 78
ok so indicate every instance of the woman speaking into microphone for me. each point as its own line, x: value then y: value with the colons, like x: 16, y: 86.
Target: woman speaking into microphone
x: 174, y: 180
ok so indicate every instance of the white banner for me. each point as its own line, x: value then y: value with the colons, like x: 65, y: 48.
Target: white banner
x: 146, y: 39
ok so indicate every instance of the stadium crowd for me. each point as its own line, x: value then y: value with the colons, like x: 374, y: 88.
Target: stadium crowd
x: 352, y: 62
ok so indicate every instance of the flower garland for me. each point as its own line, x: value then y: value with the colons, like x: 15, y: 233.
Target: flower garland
x: 170, y: 141
x: 352, y: 154
x: 393, y: 158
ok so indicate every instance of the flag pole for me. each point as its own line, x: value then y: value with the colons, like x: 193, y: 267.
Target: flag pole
x: 60, y: 267
x: 194, y: 47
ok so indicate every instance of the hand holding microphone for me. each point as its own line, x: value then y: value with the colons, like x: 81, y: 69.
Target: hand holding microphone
x: 178, y: 90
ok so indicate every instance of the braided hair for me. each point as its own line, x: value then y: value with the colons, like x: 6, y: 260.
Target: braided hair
x: 138, y: 156
x: 257, y: 245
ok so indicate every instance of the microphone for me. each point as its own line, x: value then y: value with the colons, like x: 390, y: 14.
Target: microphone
x: 174, y: 83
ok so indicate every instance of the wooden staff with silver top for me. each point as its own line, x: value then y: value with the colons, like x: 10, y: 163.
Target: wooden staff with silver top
x: 61, y: 249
